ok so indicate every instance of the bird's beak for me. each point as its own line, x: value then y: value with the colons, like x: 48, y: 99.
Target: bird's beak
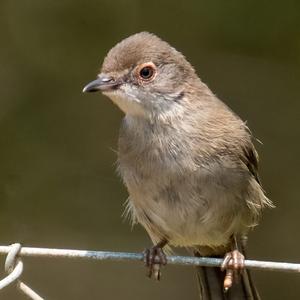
x: 102, y: 83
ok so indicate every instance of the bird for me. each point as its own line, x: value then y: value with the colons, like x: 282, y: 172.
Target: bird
x: 187, y: 160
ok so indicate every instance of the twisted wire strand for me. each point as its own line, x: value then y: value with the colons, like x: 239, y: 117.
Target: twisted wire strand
x: 14, y: 268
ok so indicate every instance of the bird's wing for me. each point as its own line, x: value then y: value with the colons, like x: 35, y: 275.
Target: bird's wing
x: 250, y: 159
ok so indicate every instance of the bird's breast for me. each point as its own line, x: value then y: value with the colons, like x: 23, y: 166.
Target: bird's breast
x: 173, y: 195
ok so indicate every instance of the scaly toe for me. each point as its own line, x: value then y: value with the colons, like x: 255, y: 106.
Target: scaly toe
x: 153, y: 259
x: 234, y: 264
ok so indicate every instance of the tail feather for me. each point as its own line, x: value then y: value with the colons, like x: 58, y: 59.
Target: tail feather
x: 211, y: 286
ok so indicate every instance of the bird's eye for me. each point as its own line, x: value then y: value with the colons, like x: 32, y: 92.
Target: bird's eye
x: 147, y: 71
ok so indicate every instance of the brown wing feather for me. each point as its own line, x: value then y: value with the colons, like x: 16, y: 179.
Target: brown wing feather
x: 250, y: 158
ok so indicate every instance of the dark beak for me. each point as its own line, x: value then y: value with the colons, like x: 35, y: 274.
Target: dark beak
x: 102, y: 83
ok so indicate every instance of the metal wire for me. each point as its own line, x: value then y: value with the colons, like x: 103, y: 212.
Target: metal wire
x: 29, y: 292
x: 13, y: 276
x: 119, y: 256
x: 14, y: 268
x: 14, y: 265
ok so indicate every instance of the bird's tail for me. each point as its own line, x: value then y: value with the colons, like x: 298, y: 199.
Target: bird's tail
x: 211, y: 281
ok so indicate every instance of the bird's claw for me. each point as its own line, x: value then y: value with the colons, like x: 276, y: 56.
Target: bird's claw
x: 154, y: 258
x: 234, y: 265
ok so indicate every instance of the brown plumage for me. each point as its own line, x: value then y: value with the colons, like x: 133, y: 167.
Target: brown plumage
x: 187, y: 160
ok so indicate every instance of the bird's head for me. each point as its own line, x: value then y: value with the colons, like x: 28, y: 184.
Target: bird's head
x: 144, y: 75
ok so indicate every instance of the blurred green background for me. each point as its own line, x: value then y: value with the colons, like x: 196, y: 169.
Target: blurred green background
x: 58, y: 185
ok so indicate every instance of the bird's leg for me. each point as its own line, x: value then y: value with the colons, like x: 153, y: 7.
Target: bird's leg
x: 154, y: 257
x: 234, y: 264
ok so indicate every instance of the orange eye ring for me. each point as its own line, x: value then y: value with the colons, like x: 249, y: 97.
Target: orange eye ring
x: 146, y: 72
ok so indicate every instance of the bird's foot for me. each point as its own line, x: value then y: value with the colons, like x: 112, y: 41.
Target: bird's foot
x: 234, y: 264
x: 154, y: 258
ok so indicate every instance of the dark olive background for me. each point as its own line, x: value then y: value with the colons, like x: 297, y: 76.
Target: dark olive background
x: 58, y: 185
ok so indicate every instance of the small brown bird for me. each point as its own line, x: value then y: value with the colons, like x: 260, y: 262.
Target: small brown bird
x: 187, y: 160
